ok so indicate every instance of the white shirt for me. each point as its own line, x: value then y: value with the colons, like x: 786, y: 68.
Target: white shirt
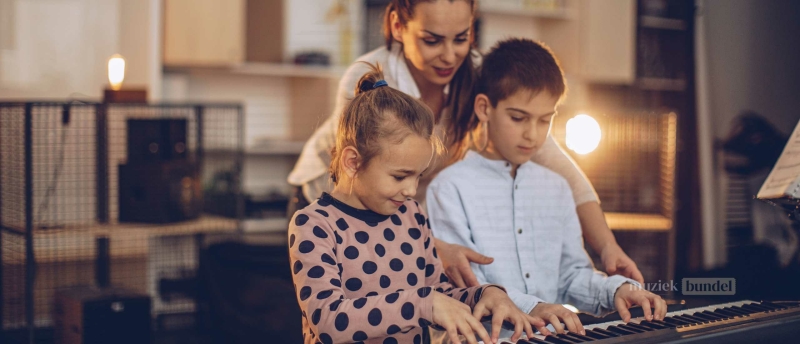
x: 311, y: 170
x: 528, y: 224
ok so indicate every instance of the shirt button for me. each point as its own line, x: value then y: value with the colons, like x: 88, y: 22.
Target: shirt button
x: 516, y: 186
x: 519, y: 231
x: 527, y: 275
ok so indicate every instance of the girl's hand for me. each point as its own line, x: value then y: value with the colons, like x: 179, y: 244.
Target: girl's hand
x: 455, y: 318
x: 554, y: 314
x: 495, y: 301
x: 628, y: 295
x: 456, y: 259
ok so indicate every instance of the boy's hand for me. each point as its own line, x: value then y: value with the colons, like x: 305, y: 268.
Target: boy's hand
x: 496, y: 303
x: 455, y: 317
x: 554, y: 314
x: 616, y: 262
x: 628, y: 295
x: 456, y: 259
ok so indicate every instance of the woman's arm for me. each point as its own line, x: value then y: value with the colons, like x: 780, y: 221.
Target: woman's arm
x: 601, y: 239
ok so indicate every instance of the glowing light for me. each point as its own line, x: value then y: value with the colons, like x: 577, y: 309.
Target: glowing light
x: 116, y: 71
x: 583, y: 134
x: 571, y: 308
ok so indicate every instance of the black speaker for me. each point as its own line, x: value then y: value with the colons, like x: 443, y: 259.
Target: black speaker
x: 159, y: 192
x: 87, y: 315
x: 154, y: 140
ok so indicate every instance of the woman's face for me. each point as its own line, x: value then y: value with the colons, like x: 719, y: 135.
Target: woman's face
x: 436, y: 40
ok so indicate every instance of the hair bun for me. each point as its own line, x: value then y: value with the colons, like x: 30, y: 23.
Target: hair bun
x: 367, y: 82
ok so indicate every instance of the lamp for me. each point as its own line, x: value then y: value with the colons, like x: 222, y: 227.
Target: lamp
x: 116, y: 75
x: 583, y: 134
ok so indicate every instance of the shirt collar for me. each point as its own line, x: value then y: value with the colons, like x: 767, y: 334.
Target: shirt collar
x: 370, y: 217
x: 501, y: 166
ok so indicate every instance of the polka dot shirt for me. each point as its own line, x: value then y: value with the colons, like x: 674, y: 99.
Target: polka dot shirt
x: 365, y: 277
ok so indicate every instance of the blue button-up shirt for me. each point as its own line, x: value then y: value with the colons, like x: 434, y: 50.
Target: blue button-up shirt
x: 528, y: 224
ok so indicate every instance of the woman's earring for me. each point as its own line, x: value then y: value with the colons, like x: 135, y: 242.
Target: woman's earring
x: 485, y: 135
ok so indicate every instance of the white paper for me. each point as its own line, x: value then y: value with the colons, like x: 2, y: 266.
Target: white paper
x: 784, y: 180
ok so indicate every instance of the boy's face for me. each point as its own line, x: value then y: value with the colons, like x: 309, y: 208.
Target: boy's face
x: 518, y: 126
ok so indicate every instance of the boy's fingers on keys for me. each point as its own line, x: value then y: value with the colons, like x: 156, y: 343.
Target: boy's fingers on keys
x: 539, y: 324
x: 570, y: 322
x: 555, y: 321
x: 526, y: 326
x: 578, y: 324
x: 518, y: 328
x: 622, y: 309
x: 480, y: 311
x: 644, y: 301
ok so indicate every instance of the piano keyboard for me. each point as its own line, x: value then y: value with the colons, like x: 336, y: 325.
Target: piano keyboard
x: 681, y: 326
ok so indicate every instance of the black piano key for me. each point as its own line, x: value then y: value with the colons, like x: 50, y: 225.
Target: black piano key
x: 719, y: 316
x: 606, y: 332
x: 619, y: 330
x: 579, y: 337
x: 756, y: 308
x: 676, y: 321
x: 558, y: 339
x: 739, y: 311
x: 697, y: 320
x: 629, y: 328
x: 653, y: 325
x: 748, y: 311
x: 703, y: 316
x: 774, y: 306
x: 639, y: 327
x: 727, y: 312
x: 596, y: 334
x: 662, y: 323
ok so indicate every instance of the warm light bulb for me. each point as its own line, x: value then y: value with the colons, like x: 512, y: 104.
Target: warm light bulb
x: 116, y: 71
x: 583, y: 134
x: 571, y: 308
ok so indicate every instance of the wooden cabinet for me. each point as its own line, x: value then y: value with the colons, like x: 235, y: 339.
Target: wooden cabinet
x: 608, y: 41
x: 204, y: 32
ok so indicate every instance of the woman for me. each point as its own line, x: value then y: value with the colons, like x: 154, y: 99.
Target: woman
x: 428, y: 55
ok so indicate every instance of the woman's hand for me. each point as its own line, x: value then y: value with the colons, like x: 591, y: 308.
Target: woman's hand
x: 455, y: 317
x: 628, y: 295
x: 555, y: 314
x: 496, y: 303
x: 456, y: 259
x: 616, y: 262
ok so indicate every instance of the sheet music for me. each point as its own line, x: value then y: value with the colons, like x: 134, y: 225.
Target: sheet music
x: 784, y: 180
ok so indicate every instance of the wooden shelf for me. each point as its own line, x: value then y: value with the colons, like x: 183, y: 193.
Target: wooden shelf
x: 661, y: 84
x: 286, y: 70
x: 490, y: 7
x: 266, y: 148
x: 638, y: 222
x: 653, y: 22
x: 126, y: 240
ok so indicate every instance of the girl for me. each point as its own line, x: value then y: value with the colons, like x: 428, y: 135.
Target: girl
x: 362, y: 260
x: 427, y: 56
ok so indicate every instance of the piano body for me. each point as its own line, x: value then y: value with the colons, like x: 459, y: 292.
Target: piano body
x: 734, y: 322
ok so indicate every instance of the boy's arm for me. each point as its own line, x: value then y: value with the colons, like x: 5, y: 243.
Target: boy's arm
x: 331, y: 316
x: 448, y: 216
x: 579, y: 283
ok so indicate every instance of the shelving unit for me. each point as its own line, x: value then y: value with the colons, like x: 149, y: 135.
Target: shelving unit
x: 265, y: 69
x: 505, y: 8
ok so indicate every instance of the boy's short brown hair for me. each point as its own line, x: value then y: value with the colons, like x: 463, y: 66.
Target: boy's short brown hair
x: 516, y: 64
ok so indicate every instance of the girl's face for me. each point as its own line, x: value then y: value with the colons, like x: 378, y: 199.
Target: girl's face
x: 390, y: 178
x: 518, y: 126
x: 437, y: 40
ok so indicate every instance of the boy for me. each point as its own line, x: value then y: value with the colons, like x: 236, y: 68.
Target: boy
x: 499, y: 203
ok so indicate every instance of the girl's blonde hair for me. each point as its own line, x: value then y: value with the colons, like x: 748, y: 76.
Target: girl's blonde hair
x: 379, y: 113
